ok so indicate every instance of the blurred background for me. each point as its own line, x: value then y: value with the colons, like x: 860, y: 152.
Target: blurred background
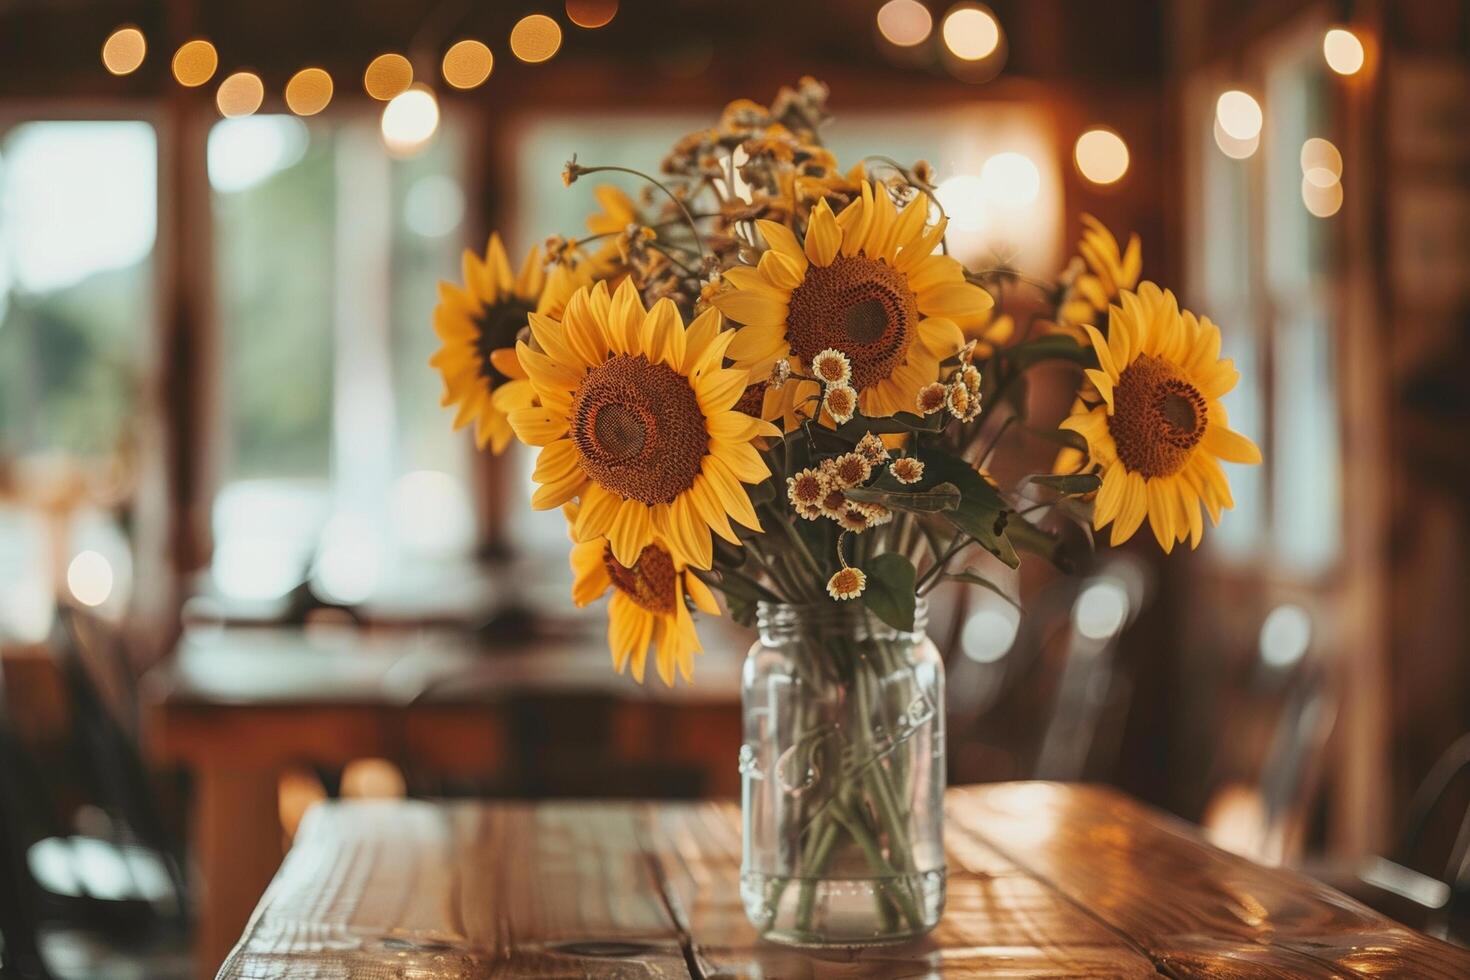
x: 246, y: 565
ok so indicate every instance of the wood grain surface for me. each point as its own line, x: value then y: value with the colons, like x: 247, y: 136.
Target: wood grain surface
x: 1045, y: 880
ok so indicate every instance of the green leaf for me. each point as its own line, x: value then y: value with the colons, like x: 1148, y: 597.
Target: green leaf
x: 975, y: 578
x: 890, y: 594
x: 1049, y: 545
x: 1072, y: 483
x: 1057, y: 347
x: 1061, y: 437
x: 851, y: 432
x: 982, y: 513
x: 943, y: 496
x: 762, y: 492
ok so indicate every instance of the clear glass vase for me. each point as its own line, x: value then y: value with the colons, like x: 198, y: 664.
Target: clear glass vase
x: 842, y: 778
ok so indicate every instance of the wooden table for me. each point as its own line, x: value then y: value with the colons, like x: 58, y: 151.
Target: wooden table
x: 1046, y: 880
x: 239, y: 706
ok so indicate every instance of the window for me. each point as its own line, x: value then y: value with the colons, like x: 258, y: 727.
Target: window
x: 337, y: 459
x: 77, y: 226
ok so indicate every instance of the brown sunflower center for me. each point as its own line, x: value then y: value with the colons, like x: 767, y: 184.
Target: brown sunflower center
x: 649, y: 583
x: 638, y: 429
x: 1158, y: 417
x: 496, y: 327
x: 860, y: 306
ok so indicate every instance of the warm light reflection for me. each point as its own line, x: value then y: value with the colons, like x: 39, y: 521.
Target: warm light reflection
x: 535, y: 38
x: 1101, y: 156
x: 309, y: 91
x: 990, y: 632
x: 1343, y: 51
x: 124, y: 50
x: 240, y: 94
x: 904, y: 22
x: 1011, y: 179
x: 409, y: 121
x: 1101, y: 610
x: 591, y: 13
x: 467, y: 63
x: 1236, y: 149
x: 388, y: 76
x: 1321, y: 162
x: 195, y: 63
x: 89, y: 578
x: 971, y: 33
x: 1322, y: 202
x: 1239, y: 115
x: 964, y: 202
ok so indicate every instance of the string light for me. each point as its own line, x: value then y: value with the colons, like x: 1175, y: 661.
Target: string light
x: 467, y: 63
x: 240, y: 94
x: 195, y: 63
x: 1239, y: 115
x: 535, y: 38
x: 1343, y: 51
x: 124, y: 50
x: 591, y: 14
x: 309, y: 91
x: 1101, y: 156
x: 904, y: 23
x: 387, y: 76
x: 970, y: 32
x: 409, y: 121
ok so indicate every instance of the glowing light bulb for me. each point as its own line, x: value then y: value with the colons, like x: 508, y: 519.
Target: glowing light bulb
x: 387, y: 76
x: 467, y: 64
x: 535, y: 38
x: 309, y: 91
x: 904, y: 22
x: 1239, y: 115
x: 240, y: 94
x: 970, y: 33
x: 124, y: 50
x: 1101, y: 156
x: 195, y: 63
x: 410, y: 120
x: 1343, y: 51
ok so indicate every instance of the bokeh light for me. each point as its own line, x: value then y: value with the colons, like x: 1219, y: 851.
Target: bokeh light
x: 1101, y: 156
x: 467, y: 63
x: 1011, y: 179
x: 89, y: 578
x: 309, y: 91
x: 195, y: 63
x: 1236, y: 149
x: 1321, y: 202
x: 387, y: 77
x: 1101, y: 610
x: 1286, y: 635
x: 124, y: 50
x: 591, y: 13
x: 971, y: 33
x: 1239, y: 115
x: 240, y: 94
x: 964, y: 202
x: 535, y: 38
x: 409, y: 121
x: 1343, y: 51
x: 1321, y: 162
x: 904, y: 22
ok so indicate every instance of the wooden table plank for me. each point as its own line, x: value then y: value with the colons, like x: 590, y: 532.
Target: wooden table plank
x: 1196, y: 910
x: 1045, y: 881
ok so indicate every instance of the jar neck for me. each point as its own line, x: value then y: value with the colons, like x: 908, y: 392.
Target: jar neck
x: 782, y: 622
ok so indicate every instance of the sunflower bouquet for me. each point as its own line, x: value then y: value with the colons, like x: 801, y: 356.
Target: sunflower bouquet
x: 765, y: 377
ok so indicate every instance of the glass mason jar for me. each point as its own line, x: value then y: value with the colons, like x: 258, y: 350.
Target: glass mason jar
x: 842, y: 777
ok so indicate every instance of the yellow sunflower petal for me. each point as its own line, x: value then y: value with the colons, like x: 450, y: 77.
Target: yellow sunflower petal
x: 823, y: 237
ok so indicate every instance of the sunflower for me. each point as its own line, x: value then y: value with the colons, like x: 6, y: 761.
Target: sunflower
x: 478, y: 323
x: 636, y: 419
x: 1099, y: 274
x: 865, y: 283
x: 648, y: 606
x: 1160, y: 432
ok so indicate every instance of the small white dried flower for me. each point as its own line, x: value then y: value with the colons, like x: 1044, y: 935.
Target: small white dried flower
x: 832, y: 367
x: 957, y: 399
x: 931, y: 398
x: 851, y: 469
x: 907, y: 469
x: 872, y: 449
x: 970, y: 376
x: 853, y: 518
x: 848, y: 583
x: 780, y: 373
x: 840, y: 402
x: 805, y: 489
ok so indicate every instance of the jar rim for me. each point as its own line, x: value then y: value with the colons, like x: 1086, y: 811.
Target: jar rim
x: 776, y: 618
